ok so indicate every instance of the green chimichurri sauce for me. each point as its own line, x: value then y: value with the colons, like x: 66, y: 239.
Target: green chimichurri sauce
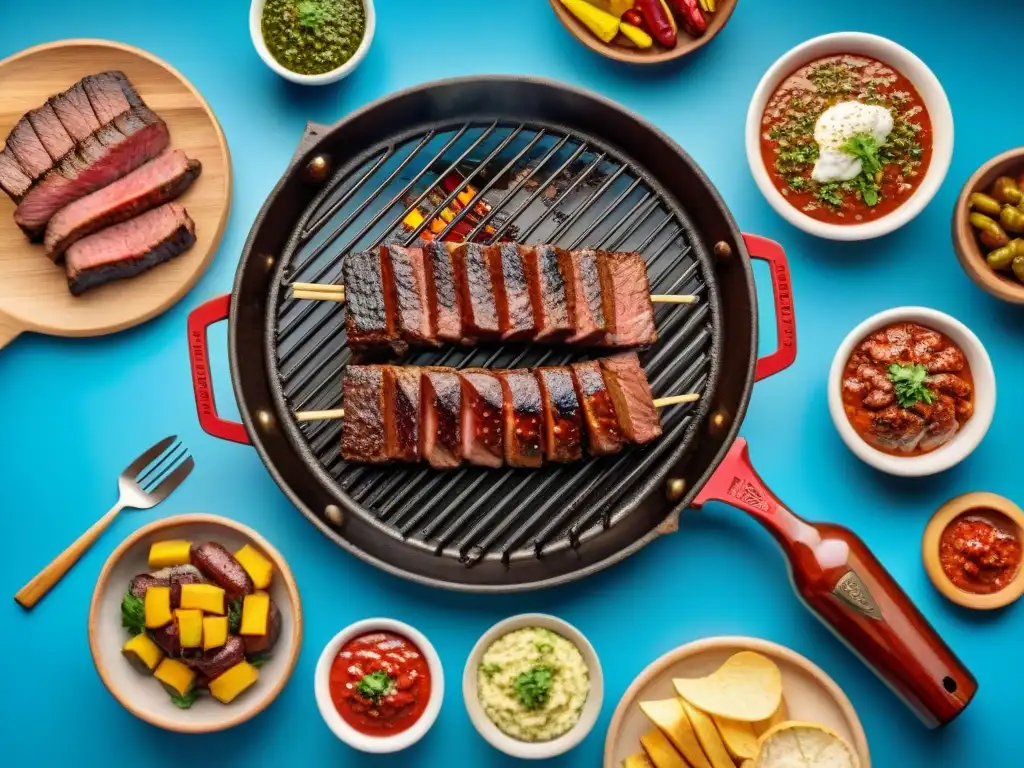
x: 311, y: 37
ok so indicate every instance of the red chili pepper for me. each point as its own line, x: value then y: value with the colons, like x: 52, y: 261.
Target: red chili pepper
x: 635, y: 18
x: 690, y: 16
x: 658, y: 19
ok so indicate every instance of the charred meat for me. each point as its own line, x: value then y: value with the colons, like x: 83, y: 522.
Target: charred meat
x: 552, y: 290
x: 402, y: 396
x: 563, y: 417
x: 624, y: 279
x: 441, y: 411
x: 603, y: 434
x: 524, y: 432
x: 409, y: 284
x: 482, y: 418
x: 369, y: 303
x: 364, y: 431
x: 631, y: 396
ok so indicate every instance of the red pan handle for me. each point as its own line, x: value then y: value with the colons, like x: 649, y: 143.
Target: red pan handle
x: 201, y: 318
x: 853, y: 595
x: 785, y: 321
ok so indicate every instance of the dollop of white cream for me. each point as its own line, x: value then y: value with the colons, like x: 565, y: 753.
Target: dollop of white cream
x: 835, y: 126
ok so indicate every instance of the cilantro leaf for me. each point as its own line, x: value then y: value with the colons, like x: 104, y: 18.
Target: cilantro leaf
x: 186, y: 701
x: 234, y: 616
x: 865, y: 148
x: 534, y: 687
x: 133, y: 614
x: 909, y: 384
x: 374, y: 685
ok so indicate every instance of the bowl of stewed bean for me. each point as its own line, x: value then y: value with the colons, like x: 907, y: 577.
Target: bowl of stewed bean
x: 988, y: 226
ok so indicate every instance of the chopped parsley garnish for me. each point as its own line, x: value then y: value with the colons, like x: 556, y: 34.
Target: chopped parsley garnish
x: 133, y: 614
x: 186, y: 701
x: 864, y: 147
x: 490, y: 670
x: 375, y: 685
x: 534, y: 687
x: 544, y: 647
x: 909, y: 384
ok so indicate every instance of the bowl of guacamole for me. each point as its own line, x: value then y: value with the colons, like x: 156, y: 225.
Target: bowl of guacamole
x: 533, y: 686
x: 312, y: 42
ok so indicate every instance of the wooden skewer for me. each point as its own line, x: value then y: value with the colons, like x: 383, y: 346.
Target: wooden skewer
x: 339, y: 413
x: 323, y: 292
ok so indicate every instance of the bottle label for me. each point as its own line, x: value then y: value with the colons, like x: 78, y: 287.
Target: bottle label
x: 852, y: 591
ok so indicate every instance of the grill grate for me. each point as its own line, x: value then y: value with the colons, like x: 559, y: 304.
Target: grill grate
x: 543, y: 184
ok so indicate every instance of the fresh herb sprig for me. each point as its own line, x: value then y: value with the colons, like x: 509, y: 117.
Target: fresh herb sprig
x: 865, y: 148
x: 133, y: 614
x: 534, y: 687
x: 909, y: 385
x: 375, y: 685
x: 234, y: 616
x: 186, y: 701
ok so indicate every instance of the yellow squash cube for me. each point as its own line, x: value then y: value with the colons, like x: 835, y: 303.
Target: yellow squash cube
x: 239, y: 678
x: 255, y: 610
x: 158, y: 607
x: 142, y: 652
x: 208, y: 598
x: 215, y: 631
x: 175, y: 675
x: 166, y: 553
x: 256, y: 565
x: 190, y: 627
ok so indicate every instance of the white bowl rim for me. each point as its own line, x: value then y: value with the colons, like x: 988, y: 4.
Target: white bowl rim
x: 344, y: 731
x: 914, y: 69
x: 324, y: 78
x: 965, y: 441
x: 534, y: 750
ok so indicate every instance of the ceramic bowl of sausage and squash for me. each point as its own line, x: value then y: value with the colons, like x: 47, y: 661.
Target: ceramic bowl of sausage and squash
x: 195, y: 623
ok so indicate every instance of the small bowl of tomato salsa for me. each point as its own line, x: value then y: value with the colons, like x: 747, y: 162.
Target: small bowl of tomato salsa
x: 912, y: 391
x: 379, y: 685
x: 972, y: 550
x: 849, y: 136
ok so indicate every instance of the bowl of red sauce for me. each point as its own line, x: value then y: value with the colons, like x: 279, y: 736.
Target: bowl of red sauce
x: 972, y: 550
x: 912, y: 391
x: 849, y: 136
x: 379, y: 685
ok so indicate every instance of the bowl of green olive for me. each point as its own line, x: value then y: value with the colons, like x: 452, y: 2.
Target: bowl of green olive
x: 988, y: 226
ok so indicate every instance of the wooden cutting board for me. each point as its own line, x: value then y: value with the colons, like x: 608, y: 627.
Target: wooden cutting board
x: 33, y: 291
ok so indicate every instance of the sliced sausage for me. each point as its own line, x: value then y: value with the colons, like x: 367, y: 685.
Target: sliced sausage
x: 219, y: 565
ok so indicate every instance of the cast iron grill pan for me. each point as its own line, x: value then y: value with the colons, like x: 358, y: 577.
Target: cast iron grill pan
x: 544, y: 183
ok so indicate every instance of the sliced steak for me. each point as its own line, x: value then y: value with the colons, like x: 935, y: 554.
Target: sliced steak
x: 13, y: 180
x: 157, y: 182
x: 482, y: 417
x: 110, y: 95
x: 516, y: 307
x: 129, y: 248
x: 441, y: 409
x: 524, y: 431
x: 409, y: 283
x: 477, y: 268
x: 96, y: 164
x: 28, y: 150
x: 563, y: 420
x: 549, y: 275
x: 364, y: 428
x: 624, y: 279
x: 402, y: 396
x: 75, y: 112
x: 444, y: 296
x: 369, y: 304
x: 593, y: 306
x: 603, y: 434
x: 632, y: 398
x: 51, y: 132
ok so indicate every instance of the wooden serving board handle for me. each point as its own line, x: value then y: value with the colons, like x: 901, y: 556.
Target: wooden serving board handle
x: 9, y: 331
x: 844, y: 585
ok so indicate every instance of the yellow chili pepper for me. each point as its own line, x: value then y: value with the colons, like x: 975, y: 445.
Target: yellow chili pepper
x: 601, y: 23
x: 637, y: 36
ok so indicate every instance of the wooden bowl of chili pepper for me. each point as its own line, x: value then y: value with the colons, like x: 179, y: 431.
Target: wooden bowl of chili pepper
x: 644, y: 31
x: 972, y: 550
x: 988, y: 226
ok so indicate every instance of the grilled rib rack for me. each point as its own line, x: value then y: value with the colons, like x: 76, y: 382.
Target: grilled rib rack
x: 543, y: 184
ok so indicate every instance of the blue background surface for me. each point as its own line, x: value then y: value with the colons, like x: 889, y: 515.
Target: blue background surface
x: 75, y: 411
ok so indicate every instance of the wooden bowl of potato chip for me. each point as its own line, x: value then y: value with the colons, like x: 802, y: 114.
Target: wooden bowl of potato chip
x: 775, y: 691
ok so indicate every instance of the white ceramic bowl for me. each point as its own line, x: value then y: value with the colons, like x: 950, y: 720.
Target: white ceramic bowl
x: 969, y: 436
x: 256, y: 33
x: 910, y: 66
x: 533, y: 750
x: 344, y: 731
x: 145, y: 697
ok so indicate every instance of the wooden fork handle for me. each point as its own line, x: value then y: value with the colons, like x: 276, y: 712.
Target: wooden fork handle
x: 36, y: 589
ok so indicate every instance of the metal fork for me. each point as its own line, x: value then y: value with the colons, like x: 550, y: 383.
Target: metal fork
x: 146, y: 482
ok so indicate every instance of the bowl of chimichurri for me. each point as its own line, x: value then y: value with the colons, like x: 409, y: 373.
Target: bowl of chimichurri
x: 312, y: 42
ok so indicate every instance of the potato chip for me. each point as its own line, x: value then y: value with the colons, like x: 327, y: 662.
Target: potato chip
x: 670, y: 717
x: 738, y: 736
x: 639, y: 760
x: 660, y: 750
x: 747, y: 764
x: 747, y: 687
x: 708, y: 736
x: 804, y: 745
x: 780, y: 715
